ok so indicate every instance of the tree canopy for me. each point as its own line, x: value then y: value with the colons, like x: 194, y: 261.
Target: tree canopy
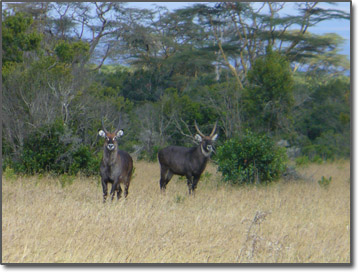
x: 66, y: 65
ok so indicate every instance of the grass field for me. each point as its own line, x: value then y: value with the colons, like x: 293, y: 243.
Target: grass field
x: 63, y: 220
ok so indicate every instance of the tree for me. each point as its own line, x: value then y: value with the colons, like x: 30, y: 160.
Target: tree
x: 322, y: 120
x: 224, y: 102
x: 269, y: 97
x: 18, y: 37
x: 241, y: 32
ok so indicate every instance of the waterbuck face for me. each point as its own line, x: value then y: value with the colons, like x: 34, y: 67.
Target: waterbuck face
x: 206, y: 143
x: 111, y: 139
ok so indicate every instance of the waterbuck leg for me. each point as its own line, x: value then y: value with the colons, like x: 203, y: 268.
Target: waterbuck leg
x: 119, y: 192
x: 114, y: 188
x: 194, y: 184
x: 126, y: 187
x: 190, y: 183
x: 105, y: 190
x: 165, y: 176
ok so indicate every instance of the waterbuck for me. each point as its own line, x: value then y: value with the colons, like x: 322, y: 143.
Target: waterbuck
x: 116, y: 165
x: 184, y: 161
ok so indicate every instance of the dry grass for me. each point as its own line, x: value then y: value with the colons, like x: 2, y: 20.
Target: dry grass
x: 288, y: 222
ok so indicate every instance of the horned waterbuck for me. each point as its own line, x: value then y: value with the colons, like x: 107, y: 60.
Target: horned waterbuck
x: 184, y: 161
x: 116, y: 165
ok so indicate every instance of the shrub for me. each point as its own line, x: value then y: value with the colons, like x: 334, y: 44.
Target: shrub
x: 302, y: 161
x: 251, y: 158
x: 151, y: 156
x: 85, y: 161
x: 53, y: 148
x: 9, y: 173
x: 325, y: 182
x: 42, y: 150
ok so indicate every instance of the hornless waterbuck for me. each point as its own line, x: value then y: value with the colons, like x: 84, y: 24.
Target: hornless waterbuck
x: 184, y: 161
x: 116, y: 165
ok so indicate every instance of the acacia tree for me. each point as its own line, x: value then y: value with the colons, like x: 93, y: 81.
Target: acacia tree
x: 241, y: 32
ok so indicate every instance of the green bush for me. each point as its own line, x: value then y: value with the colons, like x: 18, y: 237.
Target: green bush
x: 42, y: 150
x: 249, y: 159
x: 302, y: 161
x: 151, y: 156
x: 9, y: 174
x: 53, y: 148
x: 325, y: 182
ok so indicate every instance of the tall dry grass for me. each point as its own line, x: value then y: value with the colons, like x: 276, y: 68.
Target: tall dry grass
x: 288, y: 222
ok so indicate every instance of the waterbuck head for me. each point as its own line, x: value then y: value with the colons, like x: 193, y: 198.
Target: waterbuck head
x: 111, y: 139
x: 206, y: 142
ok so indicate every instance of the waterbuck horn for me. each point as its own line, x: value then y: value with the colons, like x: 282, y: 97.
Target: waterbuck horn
x: 105, y: 130
x: 212, y: 133
x: 198, y: 130
x: 118, y: 126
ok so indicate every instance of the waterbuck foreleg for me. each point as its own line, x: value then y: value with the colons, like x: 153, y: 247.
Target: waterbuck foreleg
x: 119, y: 191
x: 105, y: 190
x: 190, y: 183
x: 115, y: 187
x: 195, y: 183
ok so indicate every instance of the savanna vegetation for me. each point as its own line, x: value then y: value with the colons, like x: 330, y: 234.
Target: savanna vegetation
x: 249, y: 66
x: 63, y: 220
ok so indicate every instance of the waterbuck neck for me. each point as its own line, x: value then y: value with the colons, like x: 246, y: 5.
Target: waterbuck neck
x: 205, y: 153
x: 199, y: 154
x: 110, y: 156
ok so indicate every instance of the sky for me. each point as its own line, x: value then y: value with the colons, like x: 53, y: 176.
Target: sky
x: 341, y: 27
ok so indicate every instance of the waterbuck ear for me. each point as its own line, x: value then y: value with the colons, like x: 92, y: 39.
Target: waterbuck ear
x: 198, y: 138
x: 101, y: 133
x: 119, y: 133
x: 214, y: 137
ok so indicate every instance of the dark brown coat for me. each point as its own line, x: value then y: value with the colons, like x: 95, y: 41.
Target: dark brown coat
x: 116, y: 165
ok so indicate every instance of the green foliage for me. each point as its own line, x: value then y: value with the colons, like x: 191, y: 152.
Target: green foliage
x: 176, y: 74
x: 9, y: 173
x: 324, y: 120
x: 42, y: 150
x: 72, y: 52
x: 151, y: 156
x: 52, y: 148
x: 249, y: 159
x: 302, y: 161
x: 269, y: 97
x: 325, y: 182
x: 179, y: 199
x: 17, y: 37
x: 85, y: 161
x: 206, y: 176
x: 66, y: 180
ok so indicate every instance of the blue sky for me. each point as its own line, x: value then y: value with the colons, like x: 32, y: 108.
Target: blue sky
x: 341, y: 27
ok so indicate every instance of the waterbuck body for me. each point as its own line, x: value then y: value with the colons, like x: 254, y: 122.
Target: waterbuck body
x: 116, y: 165
x: 184, y: 161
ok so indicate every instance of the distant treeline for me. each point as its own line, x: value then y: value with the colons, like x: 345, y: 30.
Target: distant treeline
x: 228, y: 62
